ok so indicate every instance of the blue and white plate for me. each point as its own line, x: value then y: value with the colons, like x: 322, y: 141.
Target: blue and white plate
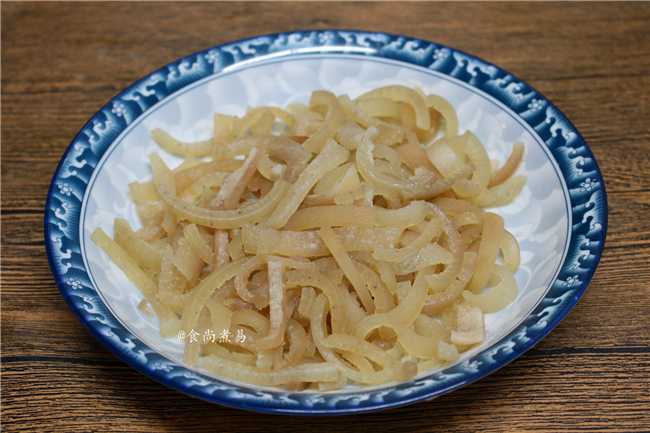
x: 559, y: 218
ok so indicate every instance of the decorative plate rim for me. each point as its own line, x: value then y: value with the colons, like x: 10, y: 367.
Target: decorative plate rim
x: 586, y: 190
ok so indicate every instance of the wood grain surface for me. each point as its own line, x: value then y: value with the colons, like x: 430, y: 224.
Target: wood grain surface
x: 61, y: 62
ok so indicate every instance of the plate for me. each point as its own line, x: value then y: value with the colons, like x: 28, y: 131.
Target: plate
x: 559, y: 218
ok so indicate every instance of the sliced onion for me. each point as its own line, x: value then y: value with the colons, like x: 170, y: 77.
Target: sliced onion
x: 510, y: 165
x: 189, y: 150
x: 347, y: 266
x: 294, y: 156
x: 331, y: 156
x: 499, y: 296
x: 225, y: 219
x: 404, y: 94
x: 302, y: 373
x: 417, y: 345
x: 333, y: 120
x: 488, y: 251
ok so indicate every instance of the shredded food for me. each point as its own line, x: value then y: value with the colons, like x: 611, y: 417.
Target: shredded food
x: 317, y: 246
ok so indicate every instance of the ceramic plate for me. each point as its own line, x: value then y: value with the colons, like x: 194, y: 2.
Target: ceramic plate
x: 559, y: 218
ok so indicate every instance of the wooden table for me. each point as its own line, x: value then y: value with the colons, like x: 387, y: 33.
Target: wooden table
x: 61, y: 62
